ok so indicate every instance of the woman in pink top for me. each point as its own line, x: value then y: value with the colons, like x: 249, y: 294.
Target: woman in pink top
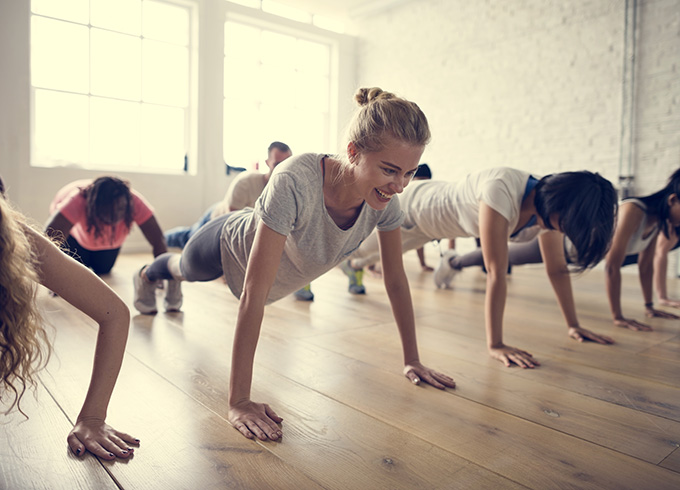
x: 95, y: 217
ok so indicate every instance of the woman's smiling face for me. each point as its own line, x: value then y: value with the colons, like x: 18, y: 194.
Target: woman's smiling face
x: 380, y: 175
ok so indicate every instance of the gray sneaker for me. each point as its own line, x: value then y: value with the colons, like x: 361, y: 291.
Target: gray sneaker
x: 304, y: 294
x: 443, y: 274
x: 173, y: 295
x: 356, y: 277
x: 145, y: 294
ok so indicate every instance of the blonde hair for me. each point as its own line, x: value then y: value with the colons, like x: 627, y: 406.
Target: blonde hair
x: 383, y: 115
x: 24, y: 344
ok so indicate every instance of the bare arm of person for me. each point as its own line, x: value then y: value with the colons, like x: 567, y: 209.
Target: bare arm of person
x: 552, y: 250
x: 493, y: 228
x: 663, y: 247
x: 84, y: 290
x: 421, y: 258
x: 58, y: 227
x: 399, y: 294
x: 629, y: 219
x: 154, y: 235
x: 646, y: 270
x: 250, y: 418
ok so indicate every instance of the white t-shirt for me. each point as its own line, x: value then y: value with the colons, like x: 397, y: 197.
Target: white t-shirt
x: 292, y: 204
x: 242, y: 193
x: 449, y: 210
x: 637, y: 243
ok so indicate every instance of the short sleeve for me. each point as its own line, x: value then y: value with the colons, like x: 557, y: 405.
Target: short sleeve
x: 496, y: 194
x: 278, y: 204
x: 72, y: 207
x: 142, y: 210
x: 392, y: 217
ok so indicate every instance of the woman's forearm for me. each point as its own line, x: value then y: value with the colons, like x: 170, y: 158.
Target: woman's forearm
x: 494, y: 307
x: 246, y: 336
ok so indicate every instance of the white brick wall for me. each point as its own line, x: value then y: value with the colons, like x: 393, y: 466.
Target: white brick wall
x: 533, y: 84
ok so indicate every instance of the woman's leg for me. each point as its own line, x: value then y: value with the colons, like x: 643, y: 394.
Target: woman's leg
x: 102, y: 260
x: 76, y: 251
x: 201, y: 260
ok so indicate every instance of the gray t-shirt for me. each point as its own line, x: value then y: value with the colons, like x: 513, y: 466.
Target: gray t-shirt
x: 292, y: 204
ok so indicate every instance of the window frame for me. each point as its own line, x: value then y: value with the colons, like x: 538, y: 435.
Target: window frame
x: 191, y: 111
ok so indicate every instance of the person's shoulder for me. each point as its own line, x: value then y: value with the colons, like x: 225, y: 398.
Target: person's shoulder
x: 300, y: 167
x: 248, y: 175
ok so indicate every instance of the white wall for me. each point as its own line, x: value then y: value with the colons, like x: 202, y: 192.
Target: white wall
x: 533, y: 84
x: 177, y: 199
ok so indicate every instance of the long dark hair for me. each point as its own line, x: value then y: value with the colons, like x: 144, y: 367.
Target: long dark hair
x: 657, y: 203
x: 586, y: 204
x: 101, y: 197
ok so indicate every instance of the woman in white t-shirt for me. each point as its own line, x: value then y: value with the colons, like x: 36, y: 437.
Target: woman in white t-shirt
x: 501, y: 203
x: 643, y: 224
x: 315, y: 211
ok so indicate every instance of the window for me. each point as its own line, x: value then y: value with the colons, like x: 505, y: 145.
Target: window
x: 112, y: 84
x: 277, y: 86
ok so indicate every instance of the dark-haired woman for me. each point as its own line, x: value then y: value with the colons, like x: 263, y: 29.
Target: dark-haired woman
x: 642, y: 221
x: 499, y: 203
x: 95, y: 217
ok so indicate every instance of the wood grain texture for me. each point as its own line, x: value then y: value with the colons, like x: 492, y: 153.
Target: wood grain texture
x: 590, y: 416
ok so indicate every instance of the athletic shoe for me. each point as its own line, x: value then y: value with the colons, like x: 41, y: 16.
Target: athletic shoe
x: 173, y: 295
x: 304, y: 294
x: 145, y: 294
x: 444, y: 273
x: 355, y: 278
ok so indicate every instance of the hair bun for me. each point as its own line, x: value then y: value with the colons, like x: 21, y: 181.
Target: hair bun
x: 365, y: 96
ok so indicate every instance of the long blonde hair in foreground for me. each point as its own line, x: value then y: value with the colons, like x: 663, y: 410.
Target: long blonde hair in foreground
x: 24, y: 345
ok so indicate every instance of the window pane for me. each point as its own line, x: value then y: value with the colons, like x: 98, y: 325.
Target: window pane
x: 73, y: 10
x: 166, y: 22
x: 60, y: 127
x: 244, y: 137
x: 280, y: 87
x: 280, y: 91
x: 242, y: 43
x: 116, y: 62
x: 163, y: 145
x: 312, y: 93
x: 279, y: 49
x: 117, y: 15
x: 59, y: 55
x: 244, y: 82
x: 165, y: 73
x: 115, y: 133
x: 312, y: 57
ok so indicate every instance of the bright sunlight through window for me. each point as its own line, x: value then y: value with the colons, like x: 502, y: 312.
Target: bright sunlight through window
x: 111, y: 84
x: 276, y: 88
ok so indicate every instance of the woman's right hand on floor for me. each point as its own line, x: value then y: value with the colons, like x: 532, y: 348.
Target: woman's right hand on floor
x: 255, y: 420
x: 102, y: 440
x: 632, y: 324
x: 512, y: 355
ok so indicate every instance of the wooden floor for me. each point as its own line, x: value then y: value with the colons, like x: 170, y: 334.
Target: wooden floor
x: 590, y: 417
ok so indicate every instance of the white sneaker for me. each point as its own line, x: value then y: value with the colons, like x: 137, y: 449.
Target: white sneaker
x: 443, y: 274
x: 173, y: 295
x: 145, y: 294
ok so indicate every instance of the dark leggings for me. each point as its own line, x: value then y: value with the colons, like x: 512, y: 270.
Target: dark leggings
x: 100, y: 261
x: 518, y: 254
x: 201, y: 258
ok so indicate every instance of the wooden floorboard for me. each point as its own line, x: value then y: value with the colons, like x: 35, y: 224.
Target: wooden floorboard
x: 590, y: 417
